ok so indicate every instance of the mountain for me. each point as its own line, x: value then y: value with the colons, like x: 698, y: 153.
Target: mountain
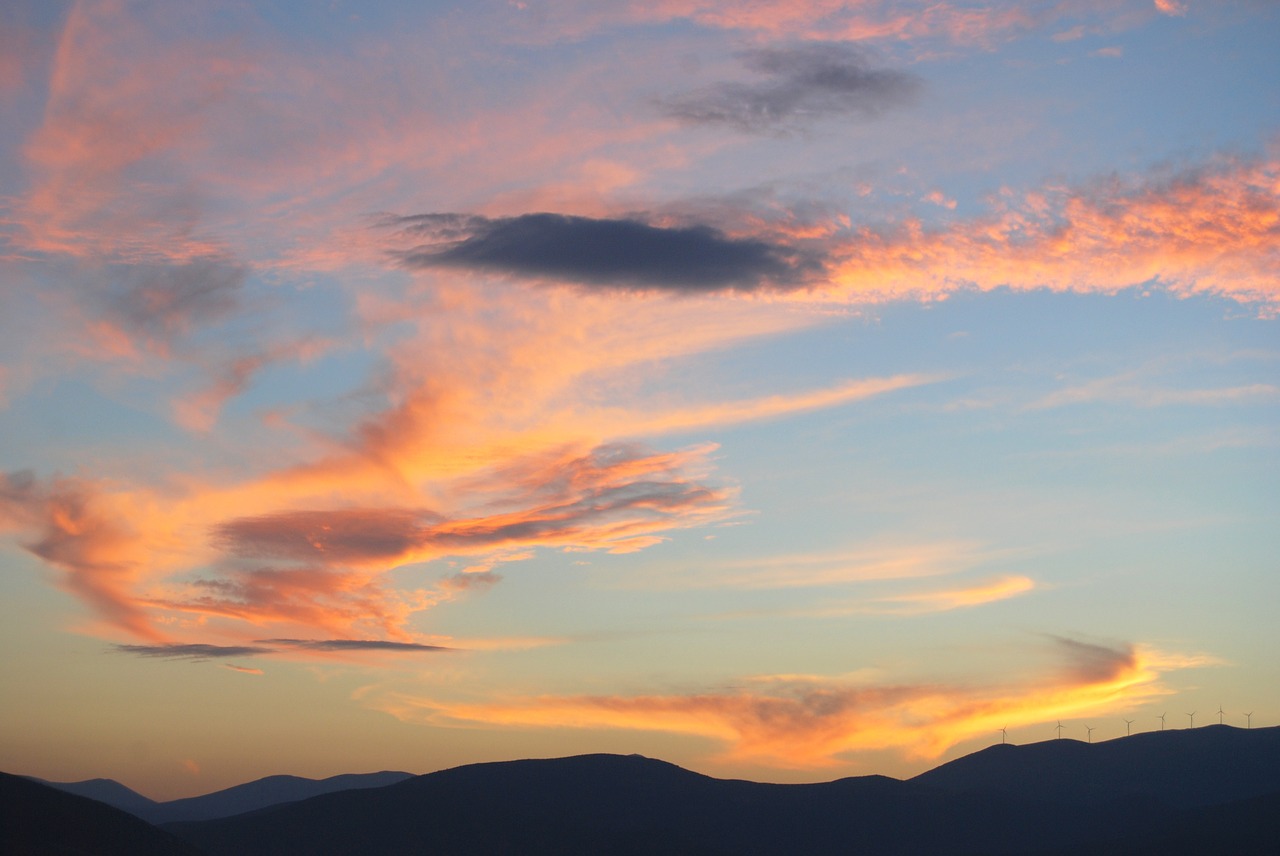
x: 273, y: 790
x: 39, y: 820
x: 107, y: 791
x: 251, y: 796
x: 1166, y: 794
x: 1185, y: 768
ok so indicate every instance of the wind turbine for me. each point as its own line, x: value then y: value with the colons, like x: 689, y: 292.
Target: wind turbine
x: 1004, y: 734
x: 1162, y: 716
x: 1249, y: 718
x: 1060, y: 727
x: 1192, y: 714
x: 1128, y: 724
x: 1089, y: 728
x: 1219, y: 714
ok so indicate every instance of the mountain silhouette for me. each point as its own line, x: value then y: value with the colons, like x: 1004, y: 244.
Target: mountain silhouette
x: 250, y: 796
x: 107, y: 791
x: 1214, y: 789
x: 1184, y: 768
x: 1137, y: 794
x: 38, y: 820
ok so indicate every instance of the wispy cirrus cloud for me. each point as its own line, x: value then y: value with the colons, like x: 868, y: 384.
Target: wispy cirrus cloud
x: 808, y: 723
x: 1211, y: 229
x: 913, y: 22
x: 1130, y: 389
x: 950, y: 598
x: 244, y: 670
x: 800, y: 85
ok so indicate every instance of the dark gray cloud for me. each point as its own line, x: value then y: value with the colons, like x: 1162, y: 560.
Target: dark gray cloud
x: 198, y: 651
x: 801, y: 84
x: 623, y: 253
x: 336, y: 535
x: 1092, y: 662
x: 165, y: 300
x: 193, y: 651
x: 351, y: 645
x: 364, y: 535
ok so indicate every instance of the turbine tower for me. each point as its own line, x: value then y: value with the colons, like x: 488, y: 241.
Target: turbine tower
x: 1128, y: 724
x: 1248, y: 717
x: 1060, y: 727
x: 1219, y: 714
x: 1192, y: 714
x: 1162, y: 716
x: 1089, y: 728
x: 1004, y: 734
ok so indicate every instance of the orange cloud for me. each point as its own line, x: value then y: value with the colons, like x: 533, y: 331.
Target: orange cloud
x: 953, y: 598
x: 161, y: 570
x: 104, y: 181
x: 797, y: 722
x: 1212, y: 230
x: 242, y: 669
x: 791, y: 571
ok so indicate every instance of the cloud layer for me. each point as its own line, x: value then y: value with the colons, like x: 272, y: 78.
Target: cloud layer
x: 801, y: 85
x: 794, y: 722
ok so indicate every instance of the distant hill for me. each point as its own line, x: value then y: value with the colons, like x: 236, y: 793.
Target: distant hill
x: 37, y: 820
x: 107, y: 791
x: 1185, y: 768
x: 1165, y: 794
x: 251, y: 796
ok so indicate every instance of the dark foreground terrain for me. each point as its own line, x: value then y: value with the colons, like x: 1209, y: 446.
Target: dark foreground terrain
x: 1212, y: 790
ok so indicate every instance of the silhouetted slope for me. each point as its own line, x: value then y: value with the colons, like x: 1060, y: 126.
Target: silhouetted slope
x: 612, y: 805
x: 251, y: 796
x: 106, y: 791
x: 1182, y: 768
x: 40, y: 820
x: 273, y: 790
x: 1243, y: 827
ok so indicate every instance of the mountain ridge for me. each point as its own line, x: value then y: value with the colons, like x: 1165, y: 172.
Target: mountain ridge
x: 1168, y: 793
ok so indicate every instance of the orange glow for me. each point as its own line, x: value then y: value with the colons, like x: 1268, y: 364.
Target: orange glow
x: 799, y: 722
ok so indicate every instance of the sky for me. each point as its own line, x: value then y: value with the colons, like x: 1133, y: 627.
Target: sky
x: 786, y: 390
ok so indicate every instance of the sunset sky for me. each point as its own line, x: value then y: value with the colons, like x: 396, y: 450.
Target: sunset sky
x: 788, y: 390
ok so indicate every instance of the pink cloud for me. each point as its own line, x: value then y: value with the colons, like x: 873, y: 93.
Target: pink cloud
x: 1209, y: 230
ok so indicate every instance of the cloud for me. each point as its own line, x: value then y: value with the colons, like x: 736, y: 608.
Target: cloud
x: 602, y: 500
x: 1129, y: 389
x: 802, y: 85
x: 157, y: 303
x: 245, y: 670
x: 835, y: 568
x: 1208, y: 229
x: 130, y: 98
x: 944, y: 600
x: 910, y: 21
x: 68, y: 526
x: 193, y: 651
x: 1175, y: 8
x: 619, y: 253
x: 353, y: 645
x: 808, y: 723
